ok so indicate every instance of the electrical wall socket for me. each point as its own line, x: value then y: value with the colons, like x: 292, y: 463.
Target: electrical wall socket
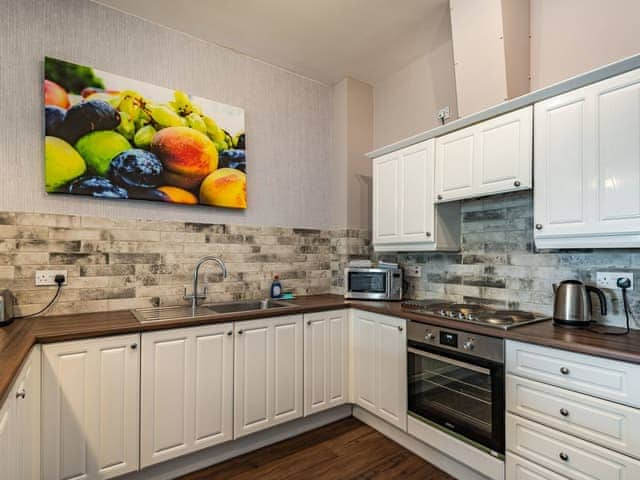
x: 610, y: 279
x: 47, y: 277
x: 413, y: 271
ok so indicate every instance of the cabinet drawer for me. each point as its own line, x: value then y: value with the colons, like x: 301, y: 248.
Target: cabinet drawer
x: 606, y: 423
x: 518, y: 468
x: 600, y: 377
x: 567, y: 455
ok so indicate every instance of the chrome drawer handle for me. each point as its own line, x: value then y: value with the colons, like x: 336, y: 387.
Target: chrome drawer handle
x: 134, y: 346
x: 22, y: 393
x: 564, y: 457
x: 516, y: 183
x: 400, y: 328
x: 564, y: 412
x: 538, y: 226
x: 564, y: 371
x: 439, y: 197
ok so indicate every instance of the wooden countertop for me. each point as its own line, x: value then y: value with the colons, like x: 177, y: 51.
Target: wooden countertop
x: 17, y: 339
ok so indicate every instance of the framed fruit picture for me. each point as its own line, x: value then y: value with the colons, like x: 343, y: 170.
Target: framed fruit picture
x: 108, y: 136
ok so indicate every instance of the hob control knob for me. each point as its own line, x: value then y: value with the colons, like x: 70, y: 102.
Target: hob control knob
x: 429, y: 336
x: 468, y: 345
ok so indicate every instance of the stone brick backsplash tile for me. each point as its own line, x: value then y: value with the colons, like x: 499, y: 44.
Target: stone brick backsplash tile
x: 497, y: 238
x: 116, y: 264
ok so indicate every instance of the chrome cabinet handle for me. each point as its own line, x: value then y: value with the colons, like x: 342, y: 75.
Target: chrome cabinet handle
x: 309, y: 322
x: 439, y: 197
x: 538, y: 226
x: 564, y: 456
x: 516, y: 183
x: 229, y: 333
x: 428, y: 234
x: 564, y: 412
x: 564, y: 371
x: 400, y: 328
x: 240, y: 332
x: 134, y: 346
x: 22, y: 393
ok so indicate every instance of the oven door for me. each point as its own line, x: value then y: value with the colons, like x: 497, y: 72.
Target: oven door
x: 463, y: 394
x: 367, y: 283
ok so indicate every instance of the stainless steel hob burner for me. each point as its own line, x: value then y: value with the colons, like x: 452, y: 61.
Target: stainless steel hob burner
x: 473, y: 313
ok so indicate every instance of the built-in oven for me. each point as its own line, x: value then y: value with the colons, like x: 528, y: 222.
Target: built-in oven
x: 456, y: 383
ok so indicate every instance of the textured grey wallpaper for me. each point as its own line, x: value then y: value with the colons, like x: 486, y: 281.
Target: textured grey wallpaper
x: 287, y: 116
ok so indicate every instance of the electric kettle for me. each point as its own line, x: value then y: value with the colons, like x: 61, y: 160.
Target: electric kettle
x: 572, y: 303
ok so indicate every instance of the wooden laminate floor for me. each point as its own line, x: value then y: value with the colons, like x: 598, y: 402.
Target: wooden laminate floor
x: 347, y: 449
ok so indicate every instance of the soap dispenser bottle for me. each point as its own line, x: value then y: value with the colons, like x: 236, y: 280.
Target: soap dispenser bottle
x: 276, y: 287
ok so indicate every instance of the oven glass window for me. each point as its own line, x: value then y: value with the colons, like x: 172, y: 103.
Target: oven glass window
x: 453, y: 394
x: 367, y: 282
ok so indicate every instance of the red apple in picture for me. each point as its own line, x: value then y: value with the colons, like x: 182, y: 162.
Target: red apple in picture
x: 55, y: 95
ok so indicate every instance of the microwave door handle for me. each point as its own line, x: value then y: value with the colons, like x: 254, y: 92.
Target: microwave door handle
x: 451, y: 361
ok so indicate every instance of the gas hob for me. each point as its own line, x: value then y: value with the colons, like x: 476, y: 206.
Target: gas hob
x: 473, y: 313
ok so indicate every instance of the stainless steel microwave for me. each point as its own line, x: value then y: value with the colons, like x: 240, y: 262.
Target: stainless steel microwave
x: 373, y: 283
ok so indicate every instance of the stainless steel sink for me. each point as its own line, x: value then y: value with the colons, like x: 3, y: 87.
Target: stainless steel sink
x: 164, y: 314
x: 247, y: 306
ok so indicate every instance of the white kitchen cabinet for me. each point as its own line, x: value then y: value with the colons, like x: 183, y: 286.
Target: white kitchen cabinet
x: 20, y: 423
x: 26, y: 392
x: 493, y: 156
x: 268, y: 382
x: 326, y: 360
x: 379, y: 365
x: 90, y: 408
x: 7, y: 445
x: 587, y: 166
x: 518, y: 468
x: 404, y: 214
x: 454, y: 165
x: 386, y: 219
x: 187, y: 391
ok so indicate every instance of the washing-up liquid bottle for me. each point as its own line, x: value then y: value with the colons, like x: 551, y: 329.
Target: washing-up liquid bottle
x: 276, y: 287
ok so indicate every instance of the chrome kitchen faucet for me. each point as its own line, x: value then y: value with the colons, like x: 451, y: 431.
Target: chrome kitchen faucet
x: 195, y: 296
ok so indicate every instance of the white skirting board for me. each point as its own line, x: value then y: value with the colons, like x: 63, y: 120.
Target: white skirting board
x: 434, y: 456
x: 211, y: 456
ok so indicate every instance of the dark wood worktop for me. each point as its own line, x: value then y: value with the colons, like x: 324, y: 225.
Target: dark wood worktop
x: 17, y: 339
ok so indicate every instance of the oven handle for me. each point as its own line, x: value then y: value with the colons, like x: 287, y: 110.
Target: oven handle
x: 451, y: 361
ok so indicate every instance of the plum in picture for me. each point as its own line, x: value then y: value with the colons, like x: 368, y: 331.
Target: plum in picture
x: 112, y: 137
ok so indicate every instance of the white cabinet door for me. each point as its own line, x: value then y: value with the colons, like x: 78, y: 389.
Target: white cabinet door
x: 386, y: 204
x: 90, y: 408
x: 617, y: 106
x: 588, y: 166
x: 416, y: 193
x: 268, y: 373
x: 363, y: 351
x: 186, y: 390
x: 454, y: 165
x: 493, y: 156
x: 325, y: 360
x: 7, y: 443
x: 26, y: 392
x: 391, y: 368
x: 564, y: 165
x: 379, y: 366
x: 504, y: 153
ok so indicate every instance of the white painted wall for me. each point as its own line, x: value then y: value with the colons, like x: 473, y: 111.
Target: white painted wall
x: 570, y: 37
x: 352, y: 138
x: 407, y: 101
x: 288, y: 117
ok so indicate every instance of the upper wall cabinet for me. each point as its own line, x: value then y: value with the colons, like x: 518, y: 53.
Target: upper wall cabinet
x: 404, y: 214
x: 490, y: 157
x: 587, y: 173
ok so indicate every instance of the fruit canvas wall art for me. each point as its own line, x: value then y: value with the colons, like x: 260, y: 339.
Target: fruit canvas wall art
x: 108, y: 136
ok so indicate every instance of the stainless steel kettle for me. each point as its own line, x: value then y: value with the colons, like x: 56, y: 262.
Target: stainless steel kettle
x: 572, y: 303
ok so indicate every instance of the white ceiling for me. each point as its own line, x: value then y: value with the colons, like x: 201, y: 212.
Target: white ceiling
x: 322, y: 39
